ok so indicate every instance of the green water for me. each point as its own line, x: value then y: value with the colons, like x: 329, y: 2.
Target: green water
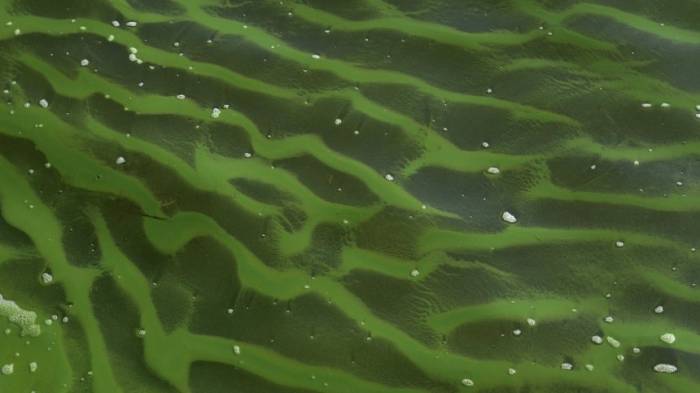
x: 309, y: 196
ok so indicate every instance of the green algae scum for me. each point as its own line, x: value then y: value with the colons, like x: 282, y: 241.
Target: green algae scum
x: 349, y: 196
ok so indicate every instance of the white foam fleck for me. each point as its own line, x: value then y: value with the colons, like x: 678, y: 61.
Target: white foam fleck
x: 84, y: 62
x: 8, y: 369
x: 646, y: 105
x: 620, y: 357
x: 659, y: 309
x: 512, y: 371
x: 33, y: 367
x: 43, y: 103
x: 215, y: 113
x: 485, y: 145
x: 597, y: 339
x: 415, y: 273
x: 315, y: 56
x: 180, y: 96
x: 665, y: 368
x: 517, y: 332
x: 338, y: 121
x: 531, y: 322
x: 131, y: 23
x: 116, y: 23
x: 567, y: 366
x: 509, y: 217
x: 589, y: 367
x: 609, y: 319
x: 120, y: 160
x: 46, y: 278
x: 389, y: 177
x: 619, y: 244
x: 668, y: 338
x: 467, y: 382
x: 493, y: 170
x: 237, y: 349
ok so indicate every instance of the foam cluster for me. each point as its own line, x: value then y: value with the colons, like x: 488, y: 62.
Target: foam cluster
x: 26, y: 320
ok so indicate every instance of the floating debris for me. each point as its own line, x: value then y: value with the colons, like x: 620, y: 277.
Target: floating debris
x: 33, y: 366
x: 668, y: 338
x: 597, y: 339
x: 84, y: 62
x: 609, y: 319
x: 467, y: 382
x: 43, y: 103
x: 389, y: 177
x: 589, y: 367
x: 509, y: 217
x: 646, y: 105
x: 120, y: 160
x: 517, y: 332
x: 493, y: 170
x: 659, y: 309
x: 567, y: 366
x: 215, y: 113
x: 665, y: 368
x: 338, y: 121
x: 315, y: 56
x: 619, y: 244
x: 116, y: 23
x: 415, y: 273
x: 531, y: 322
x: 180, y: 96
x: 512, y: 371
x: 613, y: 342
x: 131, y: 23
x: 26, y: 320
x: 46, y: 278
x: 237, y: 349
x: 485, y: 145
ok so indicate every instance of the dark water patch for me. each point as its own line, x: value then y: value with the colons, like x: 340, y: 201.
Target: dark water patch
x: 675, y: 62
x: 227, y: 140
x: 494, y: 339
x: 209, y: 377
x: 684, y: 13
x: 165, y: 7
x: 67, y: 9
x: 683, y: 226
x: 452, y: 287
x: 401, y: 302
x: 173, y: 302
x: 79, y: 356
x: 656, y: 178
x: 392, y: 231
x: 641, y: 370
x: 119, y: 321
x: 323, y: 255
x: 469, y: 15
x: 207, y: 270
x: 479, y: 199
x: 20, y: 280
x: 328, y: 183
x: 263, y: 192
x: 349, y: 9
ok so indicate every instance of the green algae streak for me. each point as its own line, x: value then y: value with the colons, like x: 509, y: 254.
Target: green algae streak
x: 210, y: 196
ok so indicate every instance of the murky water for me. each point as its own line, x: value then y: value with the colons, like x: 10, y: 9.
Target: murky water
x: 209, y: 196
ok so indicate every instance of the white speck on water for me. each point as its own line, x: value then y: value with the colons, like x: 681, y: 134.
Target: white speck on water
x: 338, y: 121
x: 43, y: 103
x: 567, y: 366
x: 141, y: 333
x: 665, y: 368
x: 646, y: 105
x: 620, y: 357
x: 247, y: 155
x: 512, y: 371
x: 315, y: 56
x: 665, y: 105
x: 133, y: 50
x: 609, y: 319
x: 84, y: 62
x: 467, y: 382
x: 8, y: 369
x: 509, y: 217
x: 116, y: 23
x: 517, y: 332
x: 415, y: 273
x: 131, y: 23
x: 619, y: 244
x: 531, y: 322
x: 18, y: 31
x: 485, y: 145
x: 668, y: 338
x: 493, y: 170
x: 46, y: 278
x: 597, y: 339
x: 389, y: 177
x: 659, y: 309
x: 614, y: 343
x: 215, y: 113
x: 589, y: 367
x: 120, y: 160
x: 236, y: 349
x: 489, y: 90
x: 33, y: 367
x: 636, y: 162
x: 636, y: 350
x: 180, y: 96
x: 132, y: 57
x: 593, y: 167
